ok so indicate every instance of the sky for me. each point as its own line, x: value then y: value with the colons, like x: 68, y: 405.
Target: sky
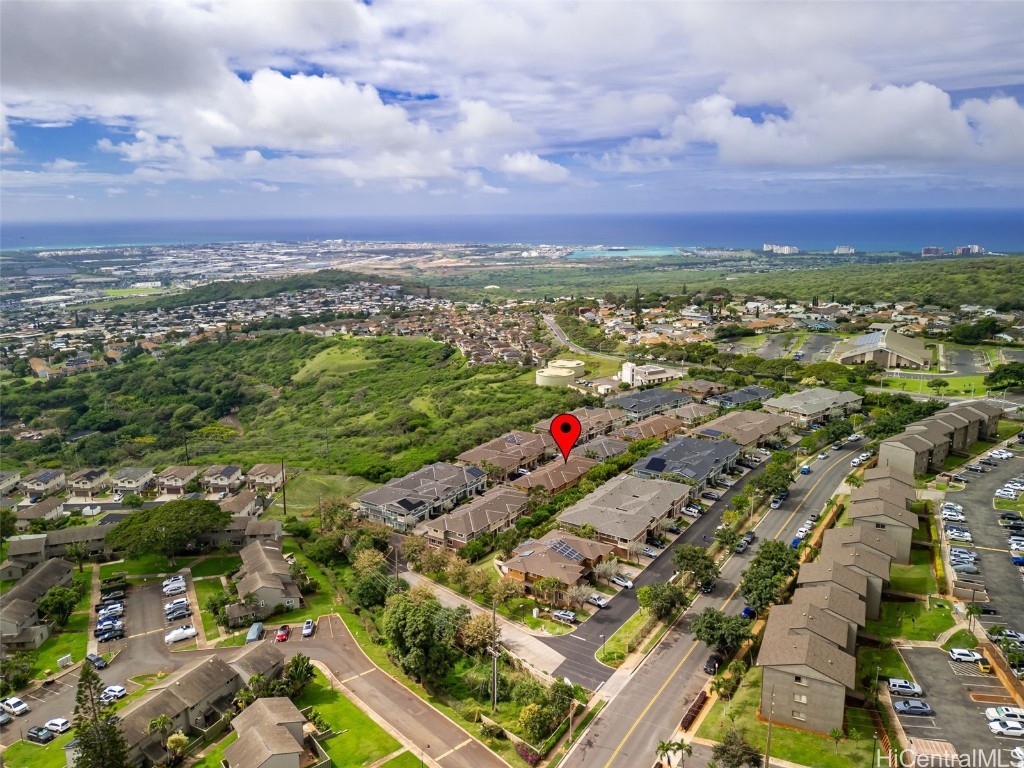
x: 245, y: 109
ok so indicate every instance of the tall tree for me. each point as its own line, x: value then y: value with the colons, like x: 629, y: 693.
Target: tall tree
x: 661, y: 599
x: 690, y: 558
x: 723, y: 633
x: 161, y: 724
x: 735, y: 751
x: 100, y: 741
x: 58, y: 603
x: 298, y: 673
x: 77, y: 552
x: 167, y: 529
x: 666, y: 749
x: 422, y: 634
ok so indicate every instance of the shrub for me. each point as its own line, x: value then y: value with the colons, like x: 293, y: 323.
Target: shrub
x: 530, y: 755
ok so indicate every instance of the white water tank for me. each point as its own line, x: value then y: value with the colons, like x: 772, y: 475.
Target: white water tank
x: 576, y: 366
x: 554, y: 377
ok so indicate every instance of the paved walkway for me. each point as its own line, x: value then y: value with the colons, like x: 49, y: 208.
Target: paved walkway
x: 520, y: 641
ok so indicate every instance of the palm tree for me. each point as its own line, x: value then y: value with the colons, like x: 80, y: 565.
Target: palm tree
x: 972, y: 610
x: 666, y: 749
x: 244, y: 698
x: 298, y: 672
x: 723, y: 687
x: 77, y: 552
x: 161, y: 724
x: 837, y: 735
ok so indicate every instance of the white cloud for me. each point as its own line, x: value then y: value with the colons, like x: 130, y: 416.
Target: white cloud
x: 260, y: 186
x: 61, y: 164
x: 533, y: 167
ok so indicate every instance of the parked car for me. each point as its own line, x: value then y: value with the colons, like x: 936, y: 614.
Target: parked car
x: 1007, y: 728
x: 116, y: 594
x: 976, y: 468
x: 855, y: 462
x: 674, y: 529
x: 648, y: 552
x: 775, y: 503
x: 955, y: 517
x: 308, y: 628
x: 748, y: 613
x: 961, y: 478
x: 805, y: 470
x: 901, y: 687
x: 179, y: 614
x: 987, y: 609
x: 708, y: 586
x: 988, y: 462
x: 961, y: 537
x: 913, y: 707
x: 795, y: 543
x: 962, y: 551
x: 178, y: 588
x: 283, y: 633
x: 117, y: 691
x: 969, y: 568
x: 58, y: 725
x: 784, y: 494
x: 184, y: 632
x: 39, y: 734
x: 964, y: 654
x: 12, y: 705
x: 802, y: 532
x: 741, y: 546
x: 693, y: 510
x: 953, y: 506
x: 108, y: 626
x: 5, y: 718
x: 175, y: 604
x: 712, y: 664
x: 97, y: 661
x: 622, y: 581
x: 1005, y: 713
x: 598, y: 600
x: 710, y: 495
x: 822, y: 456
x: 110, y: 635
x: 178, y: 579
x: 566, y: 617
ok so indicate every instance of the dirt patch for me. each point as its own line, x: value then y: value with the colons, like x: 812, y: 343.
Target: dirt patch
x: 231, y: 420
x: 984, y: 698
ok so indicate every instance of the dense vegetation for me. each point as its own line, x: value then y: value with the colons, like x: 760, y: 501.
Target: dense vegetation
x: 377, y: 408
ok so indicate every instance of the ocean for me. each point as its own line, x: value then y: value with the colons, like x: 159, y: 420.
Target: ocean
x: 993, y: 229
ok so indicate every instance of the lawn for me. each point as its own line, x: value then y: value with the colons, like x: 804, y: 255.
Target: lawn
x: 24, y: 754
x: 916, y: 577
x: 912, y: 621
x: 216, y: 565
x: 359, y: 739
x: 215, y: 754
x: 204, y: 589
x: 317, y: 604
x: 149, y: 565
x: 963, y: 385
x: 623, y: 642
x: 961, y: 639
x: 132, y: 291
x: 404, y: 760
x: 884, y: 663
x: 1009, y: 506
x: 333, y: 361
x: 1008, y: 428
x: 233, y: 641
x: 72, y: 640
x: 788, y: 744
x: 305, y: 490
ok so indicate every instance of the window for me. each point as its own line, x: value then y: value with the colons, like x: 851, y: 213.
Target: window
x: 798, y: 715
x: 800, y: 698
x: 880, y: 525
x: 798, y: 680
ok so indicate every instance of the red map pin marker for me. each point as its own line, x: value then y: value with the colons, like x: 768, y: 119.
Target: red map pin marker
x: 565, y: 429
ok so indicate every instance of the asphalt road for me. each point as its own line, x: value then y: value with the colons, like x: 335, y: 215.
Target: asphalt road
x: 1001, y: 578
x: 776, y: 345
x: 650, y: 706
x: 560, y: 335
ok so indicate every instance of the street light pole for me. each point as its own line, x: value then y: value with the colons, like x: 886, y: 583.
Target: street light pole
x: 874, y: 743
x: 601, y: 652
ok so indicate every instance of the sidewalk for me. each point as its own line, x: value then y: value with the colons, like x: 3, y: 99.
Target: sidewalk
x: 519, y: 640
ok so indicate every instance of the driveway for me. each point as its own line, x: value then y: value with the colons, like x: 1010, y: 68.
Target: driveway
x: 818, y: 346
x: 952, y: 688
x: 966, y: 362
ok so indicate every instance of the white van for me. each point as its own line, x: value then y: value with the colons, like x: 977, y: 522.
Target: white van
x: 185, y: 632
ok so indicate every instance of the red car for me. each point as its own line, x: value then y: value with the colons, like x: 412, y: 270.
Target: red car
x: 283, y: 633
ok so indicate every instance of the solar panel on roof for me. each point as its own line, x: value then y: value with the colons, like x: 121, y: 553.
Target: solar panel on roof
x: 711, y: 432
x: 654, y: 464
x: 868, y: 339
x: 527, y: 553
x: 564, y: 550
x: 514, y: 439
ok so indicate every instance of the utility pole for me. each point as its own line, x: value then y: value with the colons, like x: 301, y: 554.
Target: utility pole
x: 494, y: 657
x: 284, y: 488
x: 320, y: 513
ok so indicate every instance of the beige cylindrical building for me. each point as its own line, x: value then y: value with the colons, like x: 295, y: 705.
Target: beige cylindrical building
x: 555, y: 377
x: 576, y: 366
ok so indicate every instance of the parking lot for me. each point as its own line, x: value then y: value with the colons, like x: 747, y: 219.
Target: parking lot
x: 1001, y: 578
x: 953, y: 688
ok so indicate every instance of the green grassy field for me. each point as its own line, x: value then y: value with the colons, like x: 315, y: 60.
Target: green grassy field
x: 150, y: 565
x: 71, y: 640
x: 883, y: 662
x: 404, y: 760
x: 214, y: 755
x: 961, y: 639
x: 1009, y: 428
x: 204, y: 589
x: 333, y: 361
x: 788, y: 744
x: 617, y: 647
x: 317, y: 604
x: 916, y: 577
x: 359, y: 740
x: 912, y: 621
x: 133, y: 291
x: 215, y: 565
x: 308, y: 488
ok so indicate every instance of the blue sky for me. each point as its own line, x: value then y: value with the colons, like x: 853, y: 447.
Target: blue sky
x: 171, y: 108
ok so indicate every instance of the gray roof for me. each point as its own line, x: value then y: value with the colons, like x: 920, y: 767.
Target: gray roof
x: 859, y: 557
x: 36, y: 582
x: 194, y: 682
x: 751, y: 394
x: 811, y: 618
x: 782, y: 648
x: 688, y: 457
x: 660, y: 399
x: 604, y: 447
x: 239, y: 502
x: 833, y: 598
x: 257, y: 659
x: 495, y: 506
x: 889, y: 340
x: 860, y: 535
x: 812, y: 400
x: 829, y: 571
x: 882, y: 508
x: 625, y: 506
x: 131, y: 473
x: 425, y: 486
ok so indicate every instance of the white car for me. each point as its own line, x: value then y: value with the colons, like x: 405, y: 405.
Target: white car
x: 999, y: 453
x: 117, y: 498
x: 956, y: 517
x: 1005, y: 713
x: 864, y: 456
x: 960, y: 551
x: 12, y: 705
x: 598, y: 600
x: 823, y: 456
x: 951, y: 506
x: 855, y: 463
x: 184, y: 632
x: 622, y: 581
x: 113, y: 612
x: 1007, y: 728
x: 170, y: 582
x: 1006, y: 493
x: 58, y: 725
x: 961, y: 537
x: 802, y: 533
x: 1013, y: 486
x: 901, y: 687
x: 115, y: 691
x: 964, y: 654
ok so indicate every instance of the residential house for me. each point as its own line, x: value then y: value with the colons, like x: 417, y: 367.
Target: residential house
x: 49, y: 508
x: 870, y: 564
x: 641, y: 404
x: 839, y: 603
x: 701, y: 389
x: 647, y: 375
x: 88, y: 482
x: 132, y: 479
x: 266, y: 478
x: 692, y: 414
x: 494, y: 512
x: 559, y: 555
x: 860, y: 536
x: 266, y: 576
x: 603, y: 447
x: 740, y: 397
x: 244, y: 503
x: 503, y: 457
x: 886, y: 348
x: 222, y: 478
x: 21, y: 628
x: 173, y: 480
x: 9, y: 481
x: 689, y: 460
x: 748, y: 429
x: 270, y: 735
x: 828, y: 572
x: 659, y: 427
x: 626, y: 510
x: 594, y: 422
x: 405, y: 502
x: 805, y: 680
x: 556, y: 476
x: 814, y: 406
x: 889, y: 519
x: 43, y: 482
